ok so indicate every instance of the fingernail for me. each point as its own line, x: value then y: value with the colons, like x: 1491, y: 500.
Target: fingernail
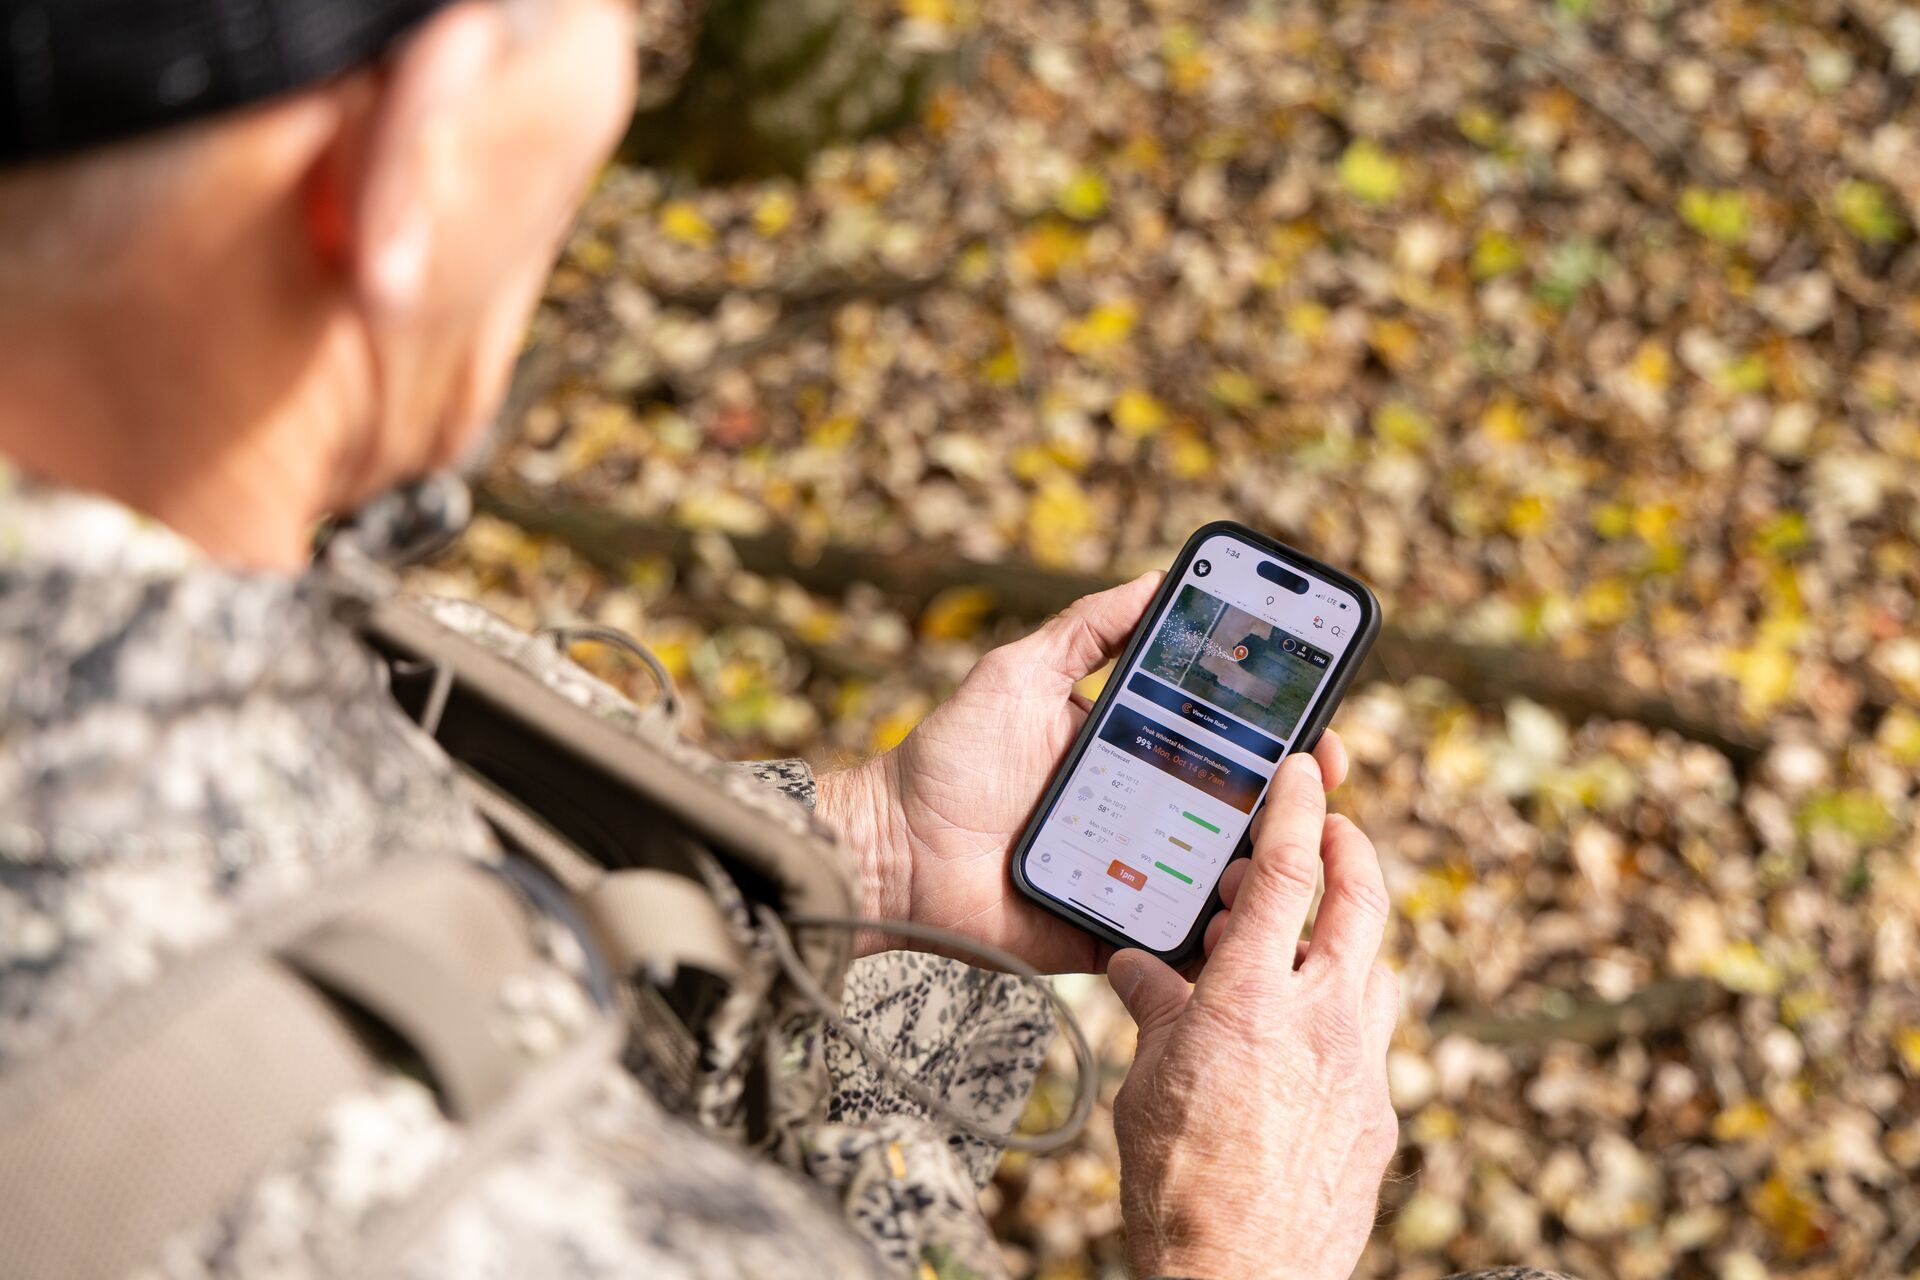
x: 1123, y: 975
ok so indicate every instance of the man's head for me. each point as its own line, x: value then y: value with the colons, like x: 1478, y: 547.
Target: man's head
x: 312, y: 298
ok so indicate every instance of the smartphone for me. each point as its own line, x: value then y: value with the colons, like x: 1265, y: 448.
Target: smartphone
x: 1241, y: 659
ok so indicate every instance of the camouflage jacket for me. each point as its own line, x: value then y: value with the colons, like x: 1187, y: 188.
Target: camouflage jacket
x: 184, y: 747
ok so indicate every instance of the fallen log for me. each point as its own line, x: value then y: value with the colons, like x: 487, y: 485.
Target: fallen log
x: 1482, y: 673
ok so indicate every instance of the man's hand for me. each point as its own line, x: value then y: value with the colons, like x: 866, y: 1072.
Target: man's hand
x: 1254, y: 1125
x: 933, y: 821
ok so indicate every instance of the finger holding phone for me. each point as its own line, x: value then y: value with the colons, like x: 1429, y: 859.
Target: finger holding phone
x: 1254, y: 1124
x: 933, y: 822
x: 1239, y: 661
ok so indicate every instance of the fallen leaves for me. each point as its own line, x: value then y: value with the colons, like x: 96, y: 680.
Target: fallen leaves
x: 1628, y: 377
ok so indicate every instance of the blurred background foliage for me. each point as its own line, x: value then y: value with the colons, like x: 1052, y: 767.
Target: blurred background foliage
x: 1587, y: 330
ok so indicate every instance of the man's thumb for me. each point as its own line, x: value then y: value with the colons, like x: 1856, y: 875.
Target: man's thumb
x: 1153, y: 993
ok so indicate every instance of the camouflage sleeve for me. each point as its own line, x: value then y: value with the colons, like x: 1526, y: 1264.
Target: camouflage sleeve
x: 789, y: 777
x: 907, y: 1182
x: 975, y: 1037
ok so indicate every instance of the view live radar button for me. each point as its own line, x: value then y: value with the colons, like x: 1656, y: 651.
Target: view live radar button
x: 1241, y: 735
x: 1127, y: 876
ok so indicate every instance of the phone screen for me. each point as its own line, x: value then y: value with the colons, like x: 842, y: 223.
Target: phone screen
x: 1242, y: 651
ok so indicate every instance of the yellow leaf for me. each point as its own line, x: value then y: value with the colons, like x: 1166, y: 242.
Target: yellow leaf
x: 1790, y: 1214
x: 1136, y: 413
x: 1427, y: 1222
x: 1765, y: 674
x: 1234, y: 389
x: 943, y: 108
x: 1747, y: 375
x: 835, y: 433
x: 937, y: 13
x: 1402, y: 424
x: 720, y: 509
x: 600, y: 432
x: 1031, y: 461
x: 1479, y: 125
x: 1528, y: 514
x: 1505, y: 421
x: 1307, y: 320
x: 773, y: 213
x: 1101, y: 329
x: 1899, y: 737
x: 1435, y: 1123
x: 819, y: 627
x: 1606, y: 602
x: 1613, y: 520
x: 1059, y: 517
x: 1783, y: 536
x: 1190, y: 457
x: 1870, y: 212
x: 1142, y: 151
x: 1370, y: 173
x: 851, y: 698
x: 890, y: 730
x: 1051, y: 248
x: 736, y: 679
x: 1084, y: 198
x: 1653, y: 365
x: 1188, y: 69
x: 1854, y: 812
x: 1801, y: 1004
x: 1745, y: 1119
x: 1907, y: 1042
x: 974, y: 267
x: 1290, y: 240
x: 1396, y: 341
x: 681, y: 221
x: 1091, y: 686
x: 956, y: 613
x: 674, y: 655
x: 1435, y: 891
x: 1495, y: 253
x: 1074, y: 452
x: 1002, y: 368
x: 1654, y: 521
x: 592, y: 255
x: 1742, y: 967
x: 1717, y: 215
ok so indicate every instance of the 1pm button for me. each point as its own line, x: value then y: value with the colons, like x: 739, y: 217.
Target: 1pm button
x: 1127, y: 876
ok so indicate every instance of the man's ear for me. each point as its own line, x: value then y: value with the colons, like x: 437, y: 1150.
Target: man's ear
x: 370, y: 199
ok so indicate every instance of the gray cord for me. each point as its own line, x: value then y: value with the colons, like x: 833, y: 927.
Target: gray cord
x: 437, y: 695
x: 796, y: 970
x: 574, y: 634
x: 938, y: 1107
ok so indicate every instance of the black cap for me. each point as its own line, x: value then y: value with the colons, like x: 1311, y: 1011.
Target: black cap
x: 75, y: 73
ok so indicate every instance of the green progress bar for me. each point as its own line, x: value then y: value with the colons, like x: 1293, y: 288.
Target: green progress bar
x: 1175, y: 874
x: 1194, y: 817
x: 1178, y: 843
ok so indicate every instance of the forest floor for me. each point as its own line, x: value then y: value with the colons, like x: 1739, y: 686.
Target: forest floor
x: 1587, y: 332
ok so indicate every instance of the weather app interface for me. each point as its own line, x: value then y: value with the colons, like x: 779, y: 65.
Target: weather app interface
x: 1159, y: 800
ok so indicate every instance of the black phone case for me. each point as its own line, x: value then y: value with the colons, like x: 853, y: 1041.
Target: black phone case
x: 1315, y: 724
